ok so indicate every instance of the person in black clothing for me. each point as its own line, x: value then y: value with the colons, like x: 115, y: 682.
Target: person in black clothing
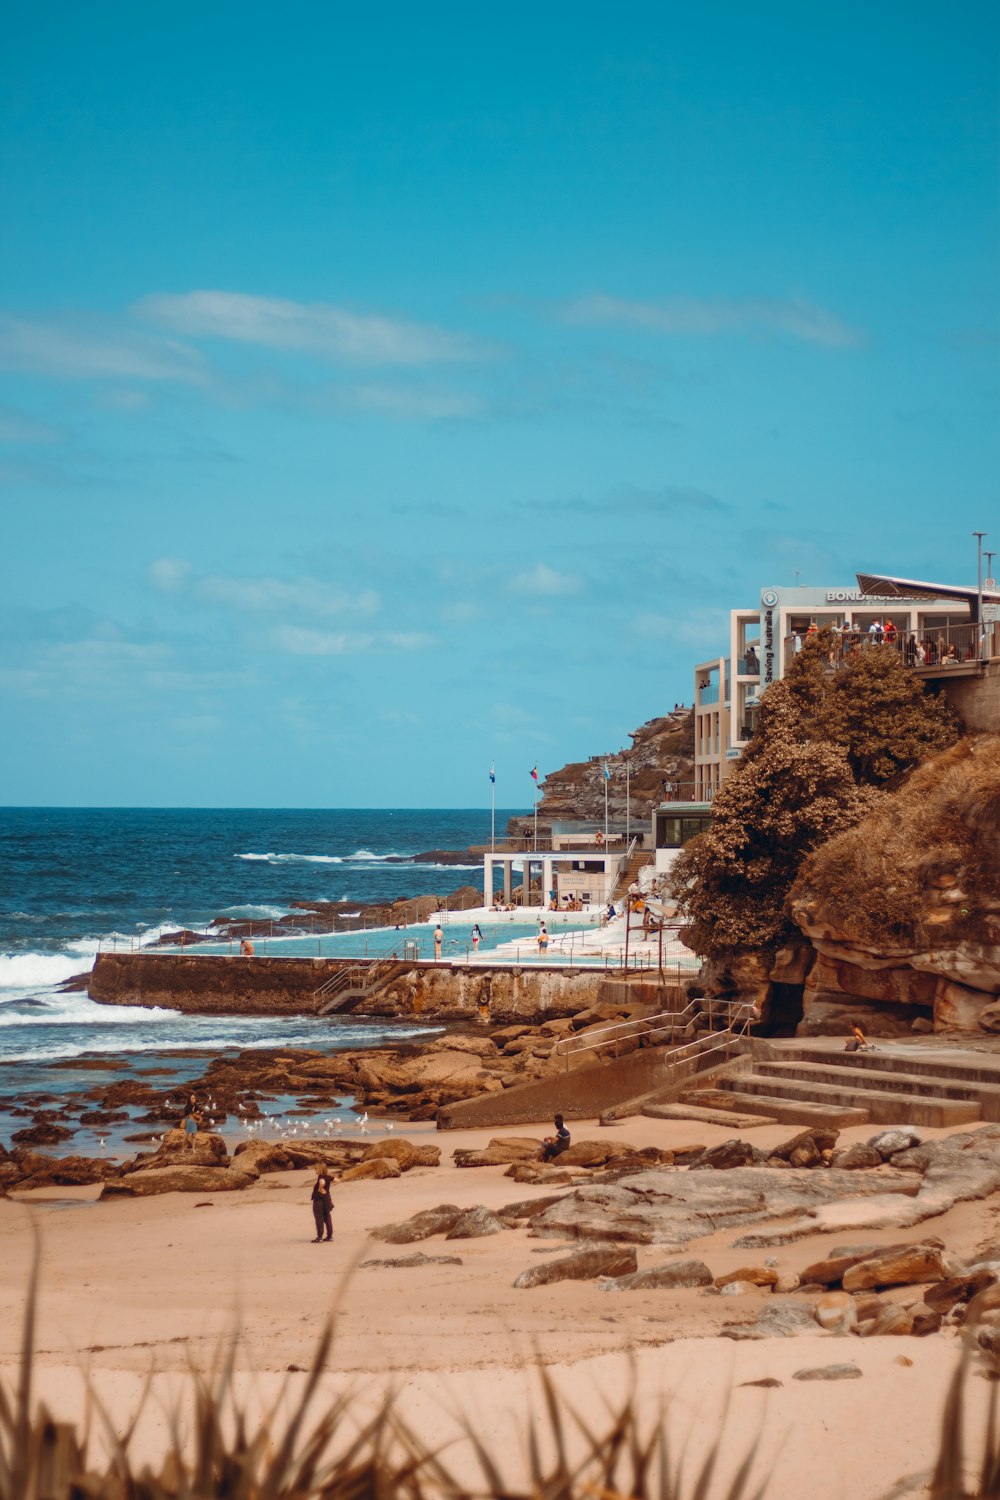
x: 322, y: 1206
x: 555, y: 1145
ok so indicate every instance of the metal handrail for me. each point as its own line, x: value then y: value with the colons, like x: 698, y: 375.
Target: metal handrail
x: 364, y: 976
x: 643, y: 1025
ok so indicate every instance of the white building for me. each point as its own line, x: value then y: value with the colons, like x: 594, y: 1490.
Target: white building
x: 763, y: 640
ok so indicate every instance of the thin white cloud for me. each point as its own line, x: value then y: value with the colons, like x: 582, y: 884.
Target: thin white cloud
x: 169, y: 574
x: 793, y: 317
x: 17, y: 427
x: 318, y: 328
x: 301, y: 641
x: 544, y: 582
x: 261, y: 594
x: 91, y: 349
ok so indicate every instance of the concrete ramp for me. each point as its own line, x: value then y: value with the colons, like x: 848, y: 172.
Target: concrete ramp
x: 584, y: 1093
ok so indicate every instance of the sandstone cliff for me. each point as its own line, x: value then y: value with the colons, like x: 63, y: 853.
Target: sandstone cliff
x: 902, y: 913
x: 662, y: 751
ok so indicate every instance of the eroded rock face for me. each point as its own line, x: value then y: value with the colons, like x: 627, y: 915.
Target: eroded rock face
x: 421, y: 1226
x: 177, y: 1179
x: 917, y: 1263
x: 675, y: 1273
x: 475, y: 1224
x: 582, y: 1265
x: 943, y: 961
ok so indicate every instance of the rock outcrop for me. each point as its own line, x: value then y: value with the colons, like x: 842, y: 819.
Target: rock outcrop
x: 902, y: 913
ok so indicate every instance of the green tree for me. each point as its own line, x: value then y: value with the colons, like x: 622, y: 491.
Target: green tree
x: 826, y: 742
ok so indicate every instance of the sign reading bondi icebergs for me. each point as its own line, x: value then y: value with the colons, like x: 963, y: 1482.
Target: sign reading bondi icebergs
x: 769, y: 599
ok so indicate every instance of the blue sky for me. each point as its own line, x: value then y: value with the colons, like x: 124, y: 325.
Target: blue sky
x: 386, y: 394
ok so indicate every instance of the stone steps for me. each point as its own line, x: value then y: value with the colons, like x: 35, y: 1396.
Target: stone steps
x: 942, y: 1086
x: 980, y: 1072
x: 728, y: 1118
x: 881, y: 1108
x: 783, y: 1110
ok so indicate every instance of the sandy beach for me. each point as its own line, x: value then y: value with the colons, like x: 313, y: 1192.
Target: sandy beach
x: 156, y: 1283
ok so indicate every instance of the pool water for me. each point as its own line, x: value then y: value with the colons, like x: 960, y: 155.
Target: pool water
x: 416, y: 941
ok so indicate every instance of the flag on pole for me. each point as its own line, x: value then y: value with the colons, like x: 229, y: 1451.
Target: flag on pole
x: 493, y: 773
x: 534, y: 773
x: 607, y: 773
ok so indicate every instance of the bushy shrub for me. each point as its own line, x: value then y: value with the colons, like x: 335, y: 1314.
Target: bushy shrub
x: 827, y: 744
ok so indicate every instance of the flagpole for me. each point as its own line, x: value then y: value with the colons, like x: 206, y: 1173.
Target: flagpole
x: 605, y: 804
x: 627, y: 823
x: 493, y: 809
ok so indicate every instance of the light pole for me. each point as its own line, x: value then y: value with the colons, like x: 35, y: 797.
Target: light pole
x: 981, y: 637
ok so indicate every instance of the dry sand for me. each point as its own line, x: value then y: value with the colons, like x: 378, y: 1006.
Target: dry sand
x: 132, y: 1284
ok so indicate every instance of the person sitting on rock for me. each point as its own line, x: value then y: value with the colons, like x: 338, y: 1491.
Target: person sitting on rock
x: 857, y: 1041
x: 555, y: 1145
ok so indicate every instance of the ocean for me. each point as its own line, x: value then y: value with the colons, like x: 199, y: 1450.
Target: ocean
x: 74, y: 878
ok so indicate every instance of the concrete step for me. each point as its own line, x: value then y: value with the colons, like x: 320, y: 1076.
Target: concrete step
x: 880, y: 1108
x: 941, y: 1087
x: 784, y: 1111
x: 728, y: 1118
x: 963, y: 1067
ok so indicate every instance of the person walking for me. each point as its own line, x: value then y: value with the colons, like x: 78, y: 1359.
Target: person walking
x: 322, y: 1205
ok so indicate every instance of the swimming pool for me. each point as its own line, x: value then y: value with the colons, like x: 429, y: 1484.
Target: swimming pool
x: 514, y: 936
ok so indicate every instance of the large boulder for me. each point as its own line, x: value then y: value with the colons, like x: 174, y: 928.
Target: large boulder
x: 377, y: 1168
x: 914, y: 1264
x: 177, y: 1179
x: 475, y: 1224
x: 404, y: 1153
x: 24, y: 1170
x: 675, y: 1273
x: 499, y: 1153
x: 421, y: 1226
x: 176, y: 1149
x: 582, y: 1265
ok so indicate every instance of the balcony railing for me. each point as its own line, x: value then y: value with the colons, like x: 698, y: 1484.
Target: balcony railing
x: 949, y: 645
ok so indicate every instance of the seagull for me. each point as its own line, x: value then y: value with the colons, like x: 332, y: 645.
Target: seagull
x: 389, y: 1125
x: 102, y: 1147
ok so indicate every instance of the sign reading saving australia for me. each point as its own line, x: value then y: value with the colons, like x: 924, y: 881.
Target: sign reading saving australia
x: 769, y: 599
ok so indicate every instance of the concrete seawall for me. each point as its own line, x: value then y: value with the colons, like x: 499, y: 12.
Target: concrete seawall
x: 200, y: 985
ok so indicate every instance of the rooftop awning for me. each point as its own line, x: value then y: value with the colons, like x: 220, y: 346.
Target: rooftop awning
x: 884, y: 587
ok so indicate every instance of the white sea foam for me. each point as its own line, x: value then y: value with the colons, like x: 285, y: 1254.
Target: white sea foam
x: 34, y: 971
x: 79, y: 1010
x: 293, y: 859
x: 254, y: 913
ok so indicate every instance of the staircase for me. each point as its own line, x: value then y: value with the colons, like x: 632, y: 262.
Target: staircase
x: 354, y: 983
x: 802, y: 1084
x: 636, y: 860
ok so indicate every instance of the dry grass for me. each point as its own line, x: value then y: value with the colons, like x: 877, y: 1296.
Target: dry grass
x: 939, y: 830
x: 304, y: 1449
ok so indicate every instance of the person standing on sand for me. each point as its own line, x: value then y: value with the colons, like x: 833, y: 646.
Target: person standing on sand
x: 322, y: 1205
x: 438, y: 940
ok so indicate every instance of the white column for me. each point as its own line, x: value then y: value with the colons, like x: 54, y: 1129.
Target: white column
x: 546, y: 881
x: 487, y: 881
x: 507, y: 867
